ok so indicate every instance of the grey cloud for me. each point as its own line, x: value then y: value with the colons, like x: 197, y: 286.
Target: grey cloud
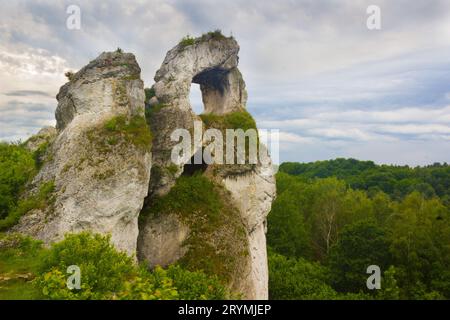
x: 27, y: 93
x: 299, y: 58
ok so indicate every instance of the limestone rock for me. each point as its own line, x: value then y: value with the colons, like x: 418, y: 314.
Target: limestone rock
x: 100, y: 170
x: 164, y: 237
x: 45, y: 136
x: 253, y: 193
x: 212, y: 62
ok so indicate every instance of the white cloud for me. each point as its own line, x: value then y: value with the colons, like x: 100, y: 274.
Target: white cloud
x: 312, y: 68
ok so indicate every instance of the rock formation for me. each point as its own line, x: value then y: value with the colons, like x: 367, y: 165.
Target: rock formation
x: 212, y: 62
x: 99, y: 168
x: 107, y: 166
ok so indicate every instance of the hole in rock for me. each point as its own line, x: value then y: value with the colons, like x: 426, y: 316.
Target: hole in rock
x: 195, y: 97
x: 212, y: 92
x: 192, y: 168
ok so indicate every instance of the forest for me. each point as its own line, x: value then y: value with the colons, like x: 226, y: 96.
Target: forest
x: 333, y: 219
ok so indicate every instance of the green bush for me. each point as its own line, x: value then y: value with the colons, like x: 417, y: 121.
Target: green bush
x: 38, y: 201
x: 187, y: 41
x: 109, y: 274
x: 17, y: 167
x: 134, y: 130
x: 292, y: 279
x: 197, y: 285
x: 103, y: 269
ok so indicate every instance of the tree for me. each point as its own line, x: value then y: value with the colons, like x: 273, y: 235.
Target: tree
x: 17, y: 166
x: 419, y: 232
x: 297, y: 279
x: 360, y: 245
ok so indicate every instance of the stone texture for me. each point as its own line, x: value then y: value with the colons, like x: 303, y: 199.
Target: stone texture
x: 45, y: 136
x: 162, y: 240
x: 253, y: 193
x: 99, y: 185
x: 210, y: 62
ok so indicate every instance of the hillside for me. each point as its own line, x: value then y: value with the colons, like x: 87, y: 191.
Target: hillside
x: 333, y: 219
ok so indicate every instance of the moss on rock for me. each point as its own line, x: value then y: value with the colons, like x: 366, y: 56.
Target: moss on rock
x: 217, y: 242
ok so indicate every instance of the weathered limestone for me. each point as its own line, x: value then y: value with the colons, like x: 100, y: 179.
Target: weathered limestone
x: 103, y: 171
x: 253, y: 194
x: 45, y: 136
x: 210, y: 61
x: 101, y: 178
x: 162, y: 240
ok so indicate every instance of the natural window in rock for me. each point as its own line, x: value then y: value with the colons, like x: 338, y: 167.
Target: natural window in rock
x: 214, y: 87
x: 195, y: 97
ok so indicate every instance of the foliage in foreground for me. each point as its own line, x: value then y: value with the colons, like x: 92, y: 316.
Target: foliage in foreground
x: 105, y: 272
x: 345, y: 230
x: 17, y: 168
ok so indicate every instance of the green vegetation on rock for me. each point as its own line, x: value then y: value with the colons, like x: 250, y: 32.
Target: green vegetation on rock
x: 151, y: 110
x: 149, y: 93
x: 187, y: 41
x: 40, y: 201
x: 217, y: 242
x: 215, y: 35
x: 17, y: 167
x: 233, y: 120
x: 119, y: 129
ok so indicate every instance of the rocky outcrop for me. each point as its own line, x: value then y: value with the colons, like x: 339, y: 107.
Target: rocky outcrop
x: 253, y: 193
x: 42, y: 139
x: 100, y: 161
x: 212, y: 62
x: 104, y: 170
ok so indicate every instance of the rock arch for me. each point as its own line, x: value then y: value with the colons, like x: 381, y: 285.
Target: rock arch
x: 212, y: 63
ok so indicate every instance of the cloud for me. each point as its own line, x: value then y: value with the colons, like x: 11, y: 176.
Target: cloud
x: 312, y: 68
x: 27, y: 93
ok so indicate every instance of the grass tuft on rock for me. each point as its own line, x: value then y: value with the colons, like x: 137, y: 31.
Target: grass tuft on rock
x: 187, y: 41
x: 134, y: 130
x: 233, y: 120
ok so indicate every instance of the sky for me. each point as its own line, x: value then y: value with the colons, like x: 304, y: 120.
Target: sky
x: 313, y: 69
